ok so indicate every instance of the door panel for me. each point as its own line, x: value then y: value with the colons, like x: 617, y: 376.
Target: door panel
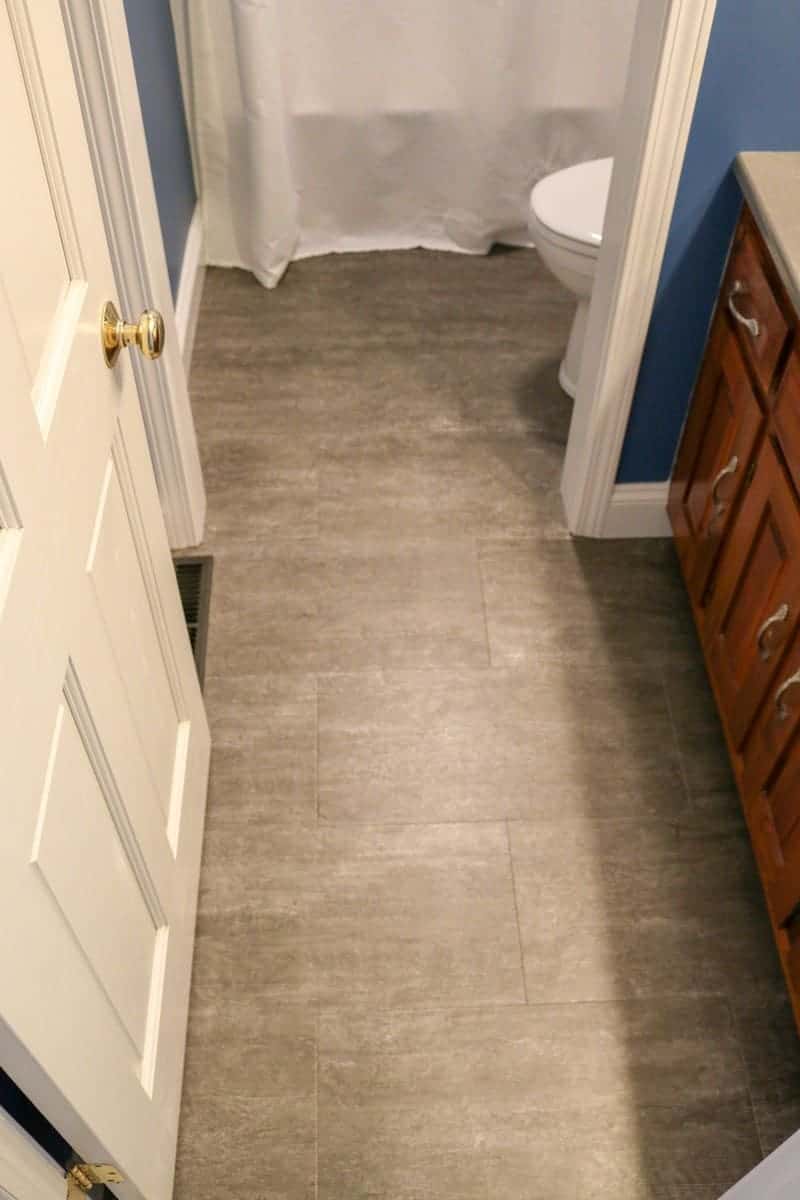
x: 114, y: 912
x: 105, y: 746
x: 35, y: 267
x: 124, y: 608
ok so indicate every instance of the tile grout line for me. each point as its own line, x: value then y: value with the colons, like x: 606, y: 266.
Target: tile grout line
x: 516, y: 913
x: 484, y: 607
x: 746, y: 1073
x: 316, y: 747
x: 676, y: 745
x: 316, y: 1106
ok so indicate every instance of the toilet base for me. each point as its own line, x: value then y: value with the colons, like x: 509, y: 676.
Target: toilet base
x: 570, y: 370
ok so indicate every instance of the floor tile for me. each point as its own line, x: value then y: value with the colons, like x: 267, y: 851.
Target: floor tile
x: 590, y: 601
x: 713, y: 815
x: 235, y: 1145
x: 314, y: 606
x: 701, y: 742
x: 762, y: 1013
x: 631, y: 908
x: 475, y: 745
x: 777, y: 1111
x: 532, y: 1101
x: 361, y: 341
x: 257, y: 489
x: 264, y: 758
x: 438, y: 485
x: 244, y: 1047
x: 763, y: 1019
x: 393, y: 915
x: 692, y: 1152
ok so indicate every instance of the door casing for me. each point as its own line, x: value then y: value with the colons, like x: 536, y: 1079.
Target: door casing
x: 669, y: 51
x: 109, y: 97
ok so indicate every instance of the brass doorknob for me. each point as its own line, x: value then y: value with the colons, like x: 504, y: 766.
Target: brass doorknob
x: 147, y: 333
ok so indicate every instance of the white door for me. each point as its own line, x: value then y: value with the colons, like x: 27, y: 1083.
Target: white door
x: 26, y: 1172
x: 104, y: 743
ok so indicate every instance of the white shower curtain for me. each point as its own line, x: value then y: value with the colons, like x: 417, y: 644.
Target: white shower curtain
x: 333, y: 125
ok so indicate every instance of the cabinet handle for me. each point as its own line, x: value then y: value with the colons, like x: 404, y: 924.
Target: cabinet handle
x: 730, y: 468
x: 792, y: 681
x: 750, y: 323
x: 777, y: 618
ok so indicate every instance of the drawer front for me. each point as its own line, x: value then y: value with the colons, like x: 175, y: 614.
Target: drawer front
x: 753, y: 305
x: 786, y: 415
x: 755, y: 603
x: 717, y: 447
x: 773, y: 819
x: 773, y: 736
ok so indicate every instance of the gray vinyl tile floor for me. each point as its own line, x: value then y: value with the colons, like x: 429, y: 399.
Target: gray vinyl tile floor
x: 478, y: 915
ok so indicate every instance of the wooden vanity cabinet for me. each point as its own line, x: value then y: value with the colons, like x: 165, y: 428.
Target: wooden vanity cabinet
x: 734, y: 505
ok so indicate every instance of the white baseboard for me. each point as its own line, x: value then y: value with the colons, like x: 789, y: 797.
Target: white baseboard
x: 638, y: 510
x: 190, y: 287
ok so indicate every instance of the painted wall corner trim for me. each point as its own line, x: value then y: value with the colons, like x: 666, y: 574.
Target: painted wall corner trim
x: 657, y: 114
x: 638, y: 510
x: 190, y: 287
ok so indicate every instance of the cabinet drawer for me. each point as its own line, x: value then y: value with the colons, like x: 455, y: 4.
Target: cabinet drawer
x: 717, y: 446
x: 773, y: 819
x: 755, y: 603
x: 752, y: 304
x: 774, y: 736
x: 786, y: 415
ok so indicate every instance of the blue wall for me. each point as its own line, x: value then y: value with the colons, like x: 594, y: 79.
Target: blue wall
x: 153, y: 45
x: 749, y: 99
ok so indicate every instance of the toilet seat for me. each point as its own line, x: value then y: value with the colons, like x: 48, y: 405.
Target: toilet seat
x: 571, y: 204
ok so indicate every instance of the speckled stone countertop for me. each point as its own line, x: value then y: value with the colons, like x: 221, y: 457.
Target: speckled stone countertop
x: 771, y: 185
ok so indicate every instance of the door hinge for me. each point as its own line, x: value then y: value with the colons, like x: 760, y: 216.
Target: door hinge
x: 82, y: 1177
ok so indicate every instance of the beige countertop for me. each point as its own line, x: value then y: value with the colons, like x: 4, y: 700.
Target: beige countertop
x: 771, y: 184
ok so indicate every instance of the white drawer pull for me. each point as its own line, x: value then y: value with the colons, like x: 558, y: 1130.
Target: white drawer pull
x: 783, y: 711
x: 730, y: 468
x: 777, y: 618
x: 750, y: 323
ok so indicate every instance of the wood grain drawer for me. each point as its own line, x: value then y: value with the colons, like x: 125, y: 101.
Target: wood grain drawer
x: 773, y: 820
x: 753, y: 304
x: 755, y: 604
x: 776, y: 727
x: 717, y: 446
x: 786, y: 415
x: 771, y: 788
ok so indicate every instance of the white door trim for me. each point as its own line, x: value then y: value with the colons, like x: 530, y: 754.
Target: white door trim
x: 638, y: 510
x: 190, y: 288
x: 107, y: 86
x: 669, y: 50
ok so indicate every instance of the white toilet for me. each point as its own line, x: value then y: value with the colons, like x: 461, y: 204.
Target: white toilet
x: 568, y: 210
